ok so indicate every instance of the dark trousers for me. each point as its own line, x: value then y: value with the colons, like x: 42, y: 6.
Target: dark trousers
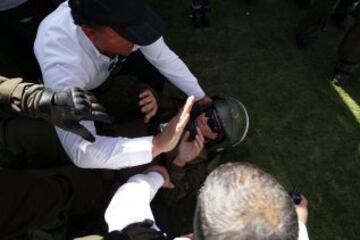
x: 349, y: 48
x: 27, y: 143
x: 317, y: 17
x: 47, y: 199
x: 19, y: 26
x: 319, y: 13
x: 203, y: 3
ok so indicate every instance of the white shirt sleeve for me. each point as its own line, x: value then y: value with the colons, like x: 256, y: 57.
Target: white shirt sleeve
x: 105, y: 152
x: 131, y: 202
x: 303, y: 233
x: 172, y: 67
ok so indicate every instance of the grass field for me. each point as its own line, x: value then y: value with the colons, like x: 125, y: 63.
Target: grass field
x: 303, y: 130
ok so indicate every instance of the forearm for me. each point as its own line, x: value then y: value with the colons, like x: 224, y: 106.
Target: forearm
x: 177, y: 176
x: 173, y: 68
x: 131, y: 202
x: 19, y: 97
x: 105, y: 152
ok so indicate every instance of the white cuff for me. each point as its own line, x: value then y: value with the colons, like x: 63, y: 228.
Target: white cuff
x: 303, y: 233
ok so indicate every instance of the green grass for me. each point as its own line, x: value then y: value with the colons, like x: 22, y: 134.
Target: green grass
x: 301, y: 130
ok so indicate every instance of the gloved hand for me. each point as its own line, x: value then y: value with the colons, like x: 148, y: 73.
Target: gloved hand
x: 67, y: 108
x: 137, y: 231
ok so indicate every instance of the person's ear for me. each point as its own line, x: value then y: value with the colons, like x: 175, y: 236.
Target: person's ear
x: 89, y: 32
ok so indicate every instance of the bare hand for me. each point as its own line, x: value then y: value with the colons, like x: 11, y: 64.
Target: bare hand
x: 148, y: 104
x: 190, y: 236
x: 164, y: 173
x: 189, y: 150
x: 205, y: 100
x: 302, y: 210
x: 168, y: 139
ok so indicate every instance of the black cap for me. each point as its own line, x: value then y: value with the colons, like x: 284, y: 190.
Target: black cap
x: 132, y: 19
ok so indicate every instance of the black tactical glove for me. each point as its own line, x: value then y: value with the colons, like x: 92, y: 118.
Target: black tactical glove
x: 67, y: 108
x: 137, y: 231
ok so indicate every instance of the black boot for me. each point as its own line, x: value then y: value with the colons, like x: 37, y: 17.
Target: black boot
x: 304, y: 3
x: 206, y: 15
x: 200, y: 13
x: 196, y: 15
x: 251, y: 2
x: 314, y: 22
x: 343, y: 15
x: 343, y: 73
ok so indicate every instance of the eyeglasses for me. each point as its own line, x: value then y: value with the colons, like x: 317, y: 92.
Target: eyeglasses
x: 213, y: 120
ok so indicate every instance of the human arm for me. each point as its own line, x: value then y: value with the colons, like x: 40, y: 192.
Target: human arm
x: 173, y: 68
x: 19, y: 97
x: 189, y: 236
x: 62, y: 69
x: 186, y: 179
x: 131, y: 202
x: 204, y: 100
x: 137, y: 231
x: 302, y: 213
x: 168, y: 139
x: 302, y: 210
x: 61, y: 72
x: 63, y: 108
x: 120, y: 152
x: 189, y: 150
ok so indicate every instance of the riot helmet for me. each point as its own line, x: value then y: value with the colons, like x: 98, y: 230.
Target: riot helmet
x: 234, y: 120
x: 228, y: 117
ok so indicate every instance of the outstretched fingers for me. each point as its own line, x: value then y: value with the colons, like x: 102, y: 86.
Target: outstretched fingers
x: 185, y: 114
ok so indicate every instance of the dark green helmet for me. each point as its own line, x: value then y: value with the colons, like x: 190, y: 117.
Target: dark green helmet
x: 234, y: 120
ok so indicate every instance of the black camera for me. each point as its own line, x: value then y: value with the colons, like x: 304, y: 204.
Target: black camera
x: 296, y: 195
x: 210, y: 113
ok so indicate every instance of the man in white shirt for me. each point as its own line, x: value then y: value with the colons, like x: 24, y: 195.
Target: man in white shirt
x: 238, y: 201
x: 78, y: 45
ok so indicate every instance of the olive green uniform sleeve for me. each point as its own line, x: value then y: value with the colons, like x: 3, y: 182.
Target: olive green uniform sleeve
x: 187, y: 180
x: 19, y: 97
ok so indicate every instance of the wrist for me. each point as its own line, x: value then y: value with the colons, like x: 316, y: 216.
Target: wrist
x: 156, y: 149
x: 45, y: 101
x: 156, y: 178
x: 179, y: 162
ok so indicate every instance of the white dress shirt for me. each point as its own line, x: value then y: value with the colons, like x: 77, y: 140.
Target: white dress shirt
x: 131, y: 203
x: 69, y: 59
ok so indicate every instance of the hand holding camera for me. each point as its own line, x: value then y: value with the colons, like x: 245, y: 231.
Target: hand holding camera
x: 301, y: 204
